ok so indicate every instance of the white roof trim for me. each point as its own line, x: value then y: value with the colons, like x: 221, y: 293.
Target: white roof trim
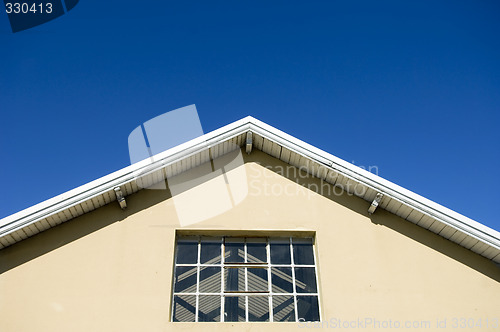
x: 62, y: 203
x: 413, y: 200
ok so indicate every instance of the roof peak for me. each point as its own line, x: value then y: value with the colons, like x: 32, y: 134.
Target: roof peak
x: 398, y: 200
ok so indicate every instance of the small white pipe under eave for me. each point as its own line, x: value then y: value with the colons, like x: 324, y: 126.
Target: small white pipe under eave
x: 120, y: 198
x: 249, y: 143
x: 375, y: 203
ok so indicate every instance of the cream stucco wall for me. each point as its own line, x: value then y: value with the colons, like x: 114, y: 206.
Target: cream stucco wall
x: 111, y: 270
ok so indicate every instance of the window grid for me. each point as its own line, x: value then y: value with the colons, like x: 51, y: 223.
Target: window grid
x: 245, y: 265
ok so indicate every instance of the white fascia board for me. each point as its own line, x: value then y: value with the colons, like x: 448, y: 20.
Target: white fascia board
x: 106, y: 183
x: 407, y: 197
x: 78, y: 195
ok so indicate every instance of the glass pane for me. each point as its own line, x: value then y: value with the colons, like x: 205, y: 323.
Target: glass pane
x: 210, y: 250
x: 210, y: 280
x: 185, y: 279
x: 257, y: 279
x: 234, y: 279
x: 305, y: 280
x: 258, y: 308
x: 184, y: 308
x: 282, y: 279
x: 209, y: 308
x: 256, y: 251
x: 187, y: 251
x: 303, y: 252
x: 280, y: 251
x: 234, y: 309
x: 307, y: 308
x: 234, y: 250
x: 283, y: 308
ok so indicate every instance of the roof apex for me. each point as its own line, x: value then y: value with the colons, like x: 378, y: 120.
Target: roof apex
x: 410, y: 206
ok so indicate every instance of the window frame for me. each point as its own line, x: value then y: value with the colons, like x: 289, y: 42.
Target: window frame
x: 246, y: 294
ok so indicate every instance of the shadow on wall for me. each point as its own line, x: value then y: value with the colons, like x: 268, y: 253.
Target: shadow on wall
x: 383, y: 218
x: 438, y: 243
x: 67, y: 232
x: 70, y: 231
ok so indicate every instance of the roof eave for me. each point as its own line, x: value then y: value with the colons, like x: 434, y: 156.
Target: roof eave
x: 63, y: 207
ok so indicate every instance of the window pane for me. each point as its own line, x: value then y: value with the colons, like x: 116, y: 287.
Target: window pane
x: 210, y: 250
x: 257, y: 279
x: 305, y: 280
x: 283, y: 308
x: 303, y: 252
x: 187, y: 251
x: 209, y: 308
x: 258, y: 308
x: 234, y: 309
x: 184, y: 308
x: 234, y: 250
x: 185, y: 279
x: 282, y: 279
x: 307, y: 308
x: 280, y: 251
x: 256, y: 251
x: 210, y: 280
x: 234, y: 279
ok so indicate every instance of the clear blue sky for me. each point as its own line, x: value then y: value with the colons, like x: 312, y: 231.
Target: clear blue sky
x: 410, y: 87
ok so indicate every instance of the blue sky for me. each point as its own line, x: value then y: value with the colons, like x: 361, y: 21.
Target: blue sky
x: 410, y: 87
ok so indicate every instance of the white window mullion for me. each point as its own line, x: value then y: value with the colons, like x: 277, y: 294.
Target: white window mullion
x: 269, y: 282
x: 293, y: 280
x: 246, y: 280
x: 222, y: 298
x: 197, y: 281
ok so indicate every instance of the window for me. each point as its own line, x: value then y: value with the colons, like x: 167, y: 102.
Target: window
x: 238, y: 279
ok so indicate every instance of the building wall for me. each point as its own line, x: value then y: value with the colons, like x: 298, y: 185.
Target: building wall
x: 111, y: 270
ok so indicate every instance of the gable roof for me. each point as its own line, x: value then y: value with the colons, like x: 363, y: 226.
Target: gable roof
x: 393, y: 198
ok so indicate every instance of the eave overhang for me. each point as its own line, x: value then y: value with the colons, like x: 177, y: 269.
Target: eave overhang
x: 395, y: 199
